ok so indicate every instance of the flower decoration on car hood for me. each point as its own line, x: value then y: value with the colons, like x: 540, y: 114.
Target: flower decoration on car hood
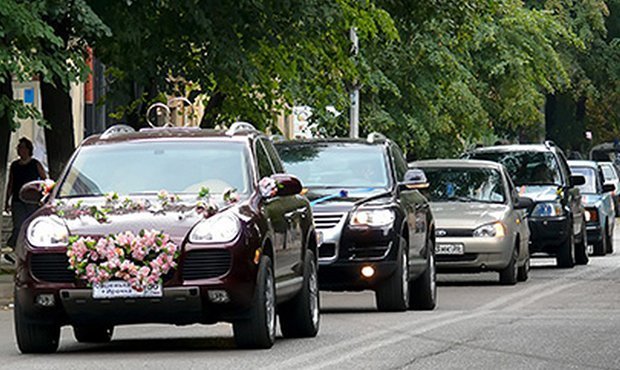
x: 268, y: 187
x: 141, y: 260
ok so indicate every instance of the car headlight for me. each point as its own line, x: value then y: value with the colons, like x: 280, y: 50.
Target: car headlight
x: 374, y: 217
x: 47, y: 231
x: 216, y: 229
x: 494, y: 230
x: 548, y: 209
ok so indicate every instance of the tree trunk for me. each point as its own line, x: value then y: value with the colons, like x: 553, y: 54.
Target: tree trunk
x: 5, y: 138
x: 57, y: 111
x: 210, y: 114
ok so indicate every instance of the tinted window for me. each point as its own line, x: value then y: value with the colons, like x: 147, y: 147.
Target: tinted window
x: 464, y: 185
x: 273, y: 155
x: 264, y: 164
x: 400, y: 165
x: 148, y: 167
x: 336, y: 164
x: 590, y: 174
x: 526, y: 168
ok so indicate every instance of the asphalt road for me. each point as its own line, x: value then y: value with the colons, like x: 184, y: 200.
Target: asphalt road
x: 559, y: 319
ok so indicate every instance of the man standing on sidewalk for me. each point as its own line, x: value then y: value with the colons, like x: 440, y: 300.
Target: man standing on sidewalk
x: 22, y: 170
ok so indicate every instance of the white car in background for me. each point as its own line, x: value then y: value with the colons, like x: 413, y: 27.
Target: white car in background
x: 610, y: 172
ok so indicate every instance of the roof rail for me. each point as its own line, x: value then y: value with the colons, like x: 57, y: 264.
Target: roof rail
x: 240, y: 126
x: 117, y: 130
x: 375, y: 136
x: 549, y: 144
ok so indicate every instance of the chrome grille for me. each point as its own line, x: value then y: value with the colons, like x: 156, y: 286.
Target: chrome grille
x: 327, y: 220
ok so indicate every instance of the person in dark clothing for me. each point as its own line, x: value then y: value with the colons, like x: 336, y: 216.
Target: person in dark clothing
x: 22, y: 170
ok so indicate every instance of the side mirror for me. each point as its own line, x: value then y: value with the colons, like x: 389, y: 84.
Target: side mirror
x: 523, y: 203
x: 280, y: 184
x: 32, y: 192
x: 609, y: 188
x: 414, y: 179
x: 577, y: 180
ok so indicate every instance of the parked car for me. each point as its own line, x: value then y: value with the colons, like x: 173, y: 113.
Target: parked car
x: 376, y: 230
x: 610, y: 172
x: 230, y: 239
x: 599, y: 205
x: 480, y: 219
x: 540, y: 172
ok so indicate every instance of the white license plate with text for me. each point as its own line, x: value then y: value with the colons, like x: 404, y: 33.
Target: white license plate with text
x: 449, y: 249
x: 122, y: 289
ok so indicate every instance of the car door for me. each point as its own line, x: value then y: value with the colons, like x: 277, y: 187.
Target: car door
x: 573, y: 195
x: 607, y: 201
x: 285, y: 213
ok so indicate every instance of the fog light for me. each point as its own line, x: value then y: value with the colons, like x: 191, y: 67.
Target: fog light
x: 368, y: 271
x: 218, y: 296
x: 45, y: 300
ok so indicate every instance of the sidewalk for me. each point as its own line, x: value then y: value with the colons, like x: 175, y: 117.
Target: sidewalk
x: 6, y: 285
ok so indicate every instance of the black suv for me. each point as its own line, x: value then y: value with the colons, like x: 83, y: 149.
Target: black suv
x: 168, y: 225
x: 541, y: 172
x: 376, y: 231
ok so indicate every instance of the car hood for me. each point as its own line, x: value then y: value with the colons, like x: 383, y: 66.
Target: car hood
x: 541, y: 193
x: 343, y: 200
x: 176, y: 220
x: 461, y: 215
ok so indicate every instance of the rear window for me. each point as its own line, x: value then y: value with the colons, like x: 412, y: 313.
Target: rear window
x: 590, y: 175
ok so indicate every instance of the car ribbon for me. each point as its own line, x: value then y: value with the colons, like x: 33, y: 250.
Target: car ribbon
x: 340, y: 194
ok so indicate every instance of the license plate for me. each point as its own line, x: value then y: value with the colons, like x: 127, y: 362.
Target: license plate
x: 449, y: 249
x: 122, y: 289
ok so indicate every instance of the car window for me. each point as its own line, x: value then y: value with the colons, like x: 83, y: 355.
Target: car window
x: 465, y: 184
x: 592, y: 184
x: 148, y: 167
x: 264, y: 163
x: 273, y: 156
x: 526, y: 167
x: 337, y: 165
x: 400, y: 164
x: 608, y: 172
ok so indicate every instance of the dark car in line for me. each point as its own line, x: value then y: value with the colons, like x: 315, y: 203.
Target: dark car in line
x: 168, y: 225
x: 557, y: 219
x: 376, y: 230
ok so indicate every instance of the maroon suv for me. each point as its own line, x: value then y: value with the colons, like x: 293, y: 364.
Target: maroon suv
x: 168, y: 225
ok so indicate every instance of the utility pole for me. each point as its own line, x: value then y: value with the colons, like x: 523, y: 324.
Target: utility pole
x: 354, y: 117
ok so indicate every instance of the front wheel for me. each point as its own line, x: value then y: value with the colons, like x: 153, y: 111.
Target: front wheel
x: 610, y: 241
x: 393, y: 294
x: 600, y: 247
x: 508, y: 276
x: 300, y: 318
x: 581, y: 249
x: 32, y: 337
x: 259, y: 329
x: 524, y: 271
x: 423, y: 290
x: 566, y: 253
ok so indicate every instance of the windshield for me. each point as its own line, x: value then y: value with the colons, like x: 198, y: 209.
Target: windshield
x: 148, y: 167
x: 608, y: 172
x: 526, y: 168
x: 590, y: 175
x: 464, y: 185
x: 336, y: 165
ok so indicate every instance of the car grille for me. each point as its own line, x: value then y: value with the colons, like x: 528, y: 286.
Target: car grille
x: 327, y: 220
x: 367, y: 252
x: 206, y: 264
x: 467, y: 257
x: 442, y: 233
x: 51, y: 267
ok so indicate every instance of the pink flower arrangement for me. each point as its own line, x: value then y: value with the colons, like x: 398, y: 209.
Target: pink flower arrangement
x: 140, y: 259
x: 268, y: 187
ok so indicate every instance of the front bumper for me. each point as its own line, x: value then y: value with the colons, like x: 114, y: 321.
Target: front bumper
x: 594, y: 231
x: 480, y: 254
x: 548, y: 233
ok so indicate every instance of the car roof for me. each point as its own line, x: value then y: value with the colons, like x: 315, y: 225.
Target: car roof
x: 468, y: 163
x: 328, y: 141
x: 514, y: 148
x: 170, y: 133
x: 582, y: 163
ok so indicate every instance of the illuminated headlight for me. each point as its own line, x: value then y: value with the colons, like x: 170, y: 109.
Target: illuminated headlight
x: 47, y: 231
x: 217, y: 229
x: 494, y: 230
x: 375, y: 217
x: 548, y: 209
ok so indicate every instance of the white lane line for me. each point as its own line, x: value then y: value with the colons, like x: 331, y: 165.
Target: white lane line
x: 400, y: 333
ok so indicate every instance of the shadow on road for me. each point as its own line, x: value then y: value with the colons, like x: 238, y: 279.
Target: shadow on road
x: 347, y: 310
x: 155, y: 345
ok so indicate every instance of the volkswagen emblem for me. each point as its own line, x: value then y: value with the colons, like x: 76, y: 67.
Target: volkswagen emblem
x: 441, y: 233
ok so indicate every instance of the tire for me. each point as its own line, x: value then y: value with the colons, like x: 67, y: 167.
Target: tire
x: 610, y: 242
x: 600, y: 247
x: 393, y: 294
x: 566, y: 252
x: 258, y: 330
x: 300, y: 317
x: 93, y: 334
x: 34, y: 338
x: 508, y: 276
x: 523, y: 273
x: 581, y: 249
x: 423, y: 290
